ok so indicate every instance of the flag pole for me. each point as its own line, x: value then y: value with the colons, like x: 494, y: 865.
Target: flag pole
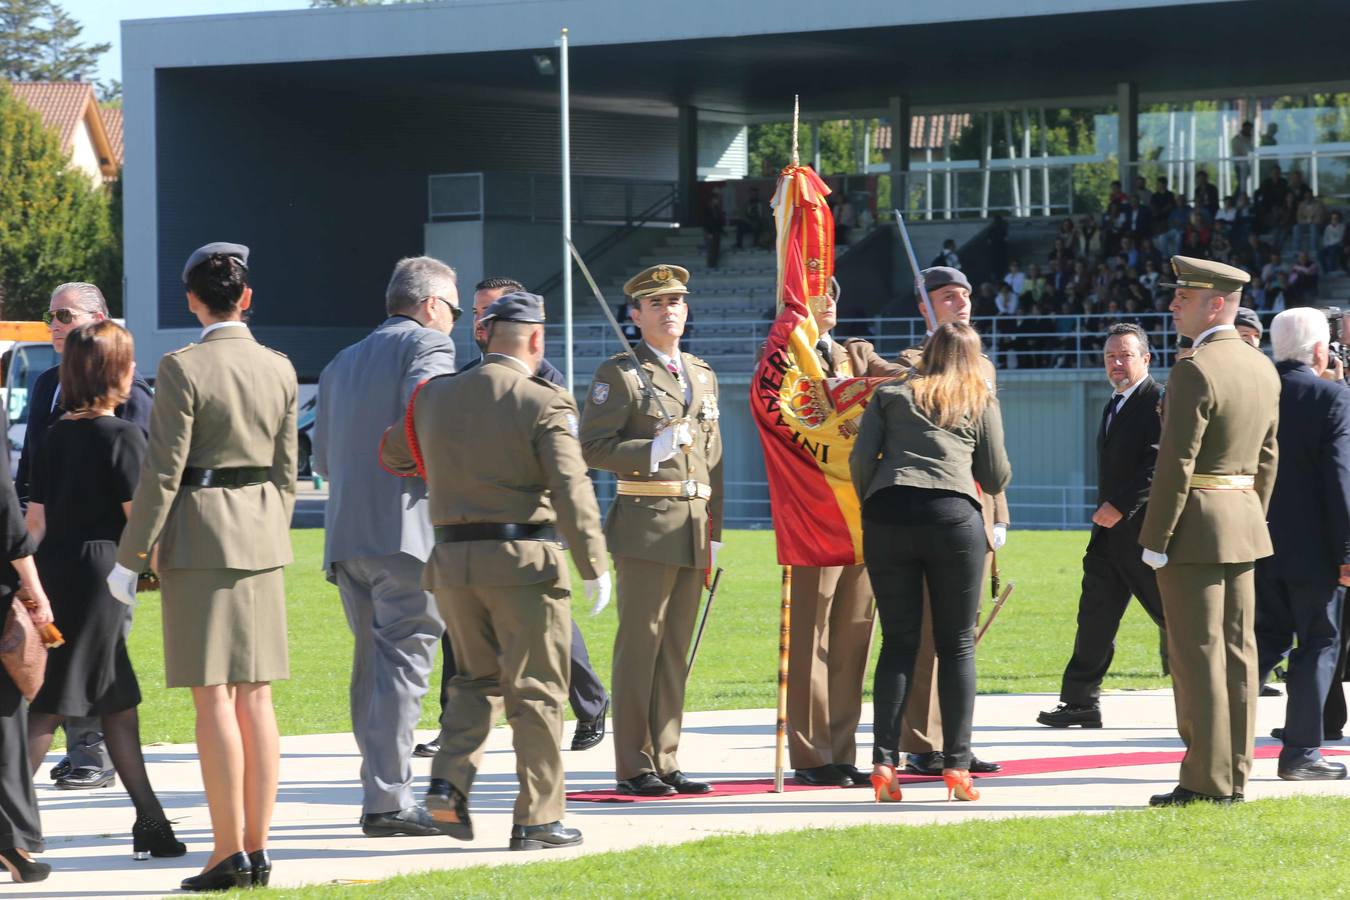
x: 784, y: 623
x: 785, y: 606
x: 565, y: 118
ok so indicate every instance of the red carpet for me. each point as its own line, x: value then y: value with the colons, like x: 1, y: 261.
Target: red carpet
x: 1040, y: 766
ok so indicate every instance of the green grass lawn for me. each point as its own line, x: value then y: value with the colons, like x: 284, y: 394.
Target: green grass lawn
x: 1273, y: 848
x: 737, y: 667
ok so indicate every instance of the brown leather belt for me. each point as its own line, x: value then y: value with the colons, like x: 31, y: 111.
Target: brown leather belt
x: 225, y: 478
x: 493, y: 531
x: 685, y: 490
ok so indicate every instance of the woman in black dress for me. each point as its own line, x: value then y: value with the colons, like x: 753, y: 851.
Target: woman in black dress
x: 20, y: 830
x: 81, y: 488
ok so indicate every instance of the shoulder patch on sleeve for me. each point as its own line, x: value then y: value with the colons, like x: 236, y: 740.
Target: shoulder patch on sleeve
x: 599, y: 392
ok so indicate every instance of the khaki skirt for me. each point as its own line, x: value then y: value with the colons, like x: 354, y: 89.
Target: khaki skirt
x: 224, y: 626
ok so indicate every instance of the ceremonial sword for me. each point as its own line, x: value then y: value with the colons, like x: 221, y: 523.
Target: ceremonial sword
x: 998, y: 604
x: 919, y: 286
x: 643, y: 379
x: 707, y: 607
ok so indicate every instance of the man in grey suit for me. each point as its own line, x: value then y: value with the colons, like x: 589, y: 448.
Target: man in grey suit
x: 377, y: 535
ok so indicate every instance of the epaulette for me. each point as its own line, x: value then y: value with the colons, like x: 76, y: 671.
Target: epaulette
x: 692, y: 358
x: 544, y: 381
x: 181, y: 349
x: 277, y: 352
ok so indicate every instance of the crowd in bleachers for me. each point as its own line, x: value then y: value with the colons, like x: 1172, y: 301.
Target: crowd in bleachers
x: 1107, y: 269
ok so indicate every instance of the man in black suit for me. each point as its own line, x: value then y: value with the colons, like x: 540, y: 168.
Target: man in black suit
x: 585, y: 691
x: 1127, y: 450
x: 77, y: 303
x: 1300, y: 590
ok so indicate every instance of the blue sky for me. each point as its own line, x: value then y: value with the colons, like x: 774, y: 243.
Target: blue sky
x: 101, y: 19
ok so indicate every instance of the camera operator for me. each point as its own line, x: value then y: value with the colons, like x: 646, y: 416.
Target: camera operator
x: 1338, y: 322
x: 1300, y: 590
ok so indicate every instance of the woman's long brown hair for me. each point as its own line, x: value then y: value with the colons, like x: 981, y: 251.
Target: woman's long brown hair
x: 952, y: 388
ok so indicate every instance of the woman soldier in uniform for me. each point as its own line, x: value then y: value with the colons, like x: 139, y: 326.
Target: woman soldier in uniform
x: 214, y: 502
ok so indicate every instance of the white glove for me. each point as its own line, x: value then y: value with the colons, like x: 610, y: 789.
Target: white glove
x: 1000, y: 535
x: 122, y: 584
x: 713, y: 547
x: 1154, y: 559
x: 669, y: 440
x: 598, y: 590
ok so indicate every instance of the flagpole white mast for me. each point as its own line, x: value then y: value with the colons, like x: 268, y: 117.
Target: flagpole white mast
x: 566, y: 119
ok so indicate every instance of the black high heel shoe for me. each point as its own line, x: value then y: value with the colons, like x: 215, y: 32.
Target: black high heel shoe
x: 262, y: 867
x: 23, y: 869
x: 232, y: 872
x: 154, y: 837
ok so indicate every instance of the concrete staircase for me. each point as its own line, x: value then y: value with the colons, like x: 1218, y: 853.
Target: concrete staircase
x: 1334, y: 290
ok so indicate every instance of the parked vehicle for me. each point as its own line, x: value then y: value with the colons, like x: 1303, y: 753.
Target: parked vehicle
x: 25, y: 353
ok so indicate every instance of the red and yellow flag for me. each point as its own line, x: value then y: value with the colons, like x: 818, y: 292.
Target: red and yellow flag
x: 807, y: 423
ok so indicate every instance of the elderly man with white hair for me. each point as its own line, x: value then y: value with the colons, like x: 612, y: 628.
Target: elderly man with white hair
x: 1300, y: 590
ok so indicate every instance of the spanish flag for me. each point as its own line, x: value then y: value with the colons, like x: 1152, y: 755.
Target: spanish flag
x: 807, y: 423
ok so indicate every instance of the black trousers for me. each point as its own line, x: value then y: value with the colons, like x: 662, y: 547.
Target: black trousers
x: 1334, y: 714
x: 1113, y: 571
x: 585, y: 692
x: 899, y: 559
x: 1311, y: 613
x: 19, y: 825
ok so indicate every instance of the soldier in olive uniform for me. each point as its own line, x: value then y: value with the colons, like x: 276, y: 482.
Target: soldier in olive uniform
x: 1206, y: 526
x: 921, y: 729
x: 664, y: 527
x: 501, y: 494
x: 832, y: 613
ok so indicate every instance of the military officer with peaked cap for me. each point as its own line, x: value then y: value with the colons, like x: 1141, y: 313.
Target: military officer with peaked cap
x: 1206, y: 526
x: 664, y: 526
x: 505, y: 482
x: 921, y: 728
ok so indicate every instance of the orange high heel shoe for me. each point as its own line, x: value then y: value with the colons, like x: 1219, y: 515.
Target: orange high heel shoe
x: 959, y: 782
x: 886, y: 788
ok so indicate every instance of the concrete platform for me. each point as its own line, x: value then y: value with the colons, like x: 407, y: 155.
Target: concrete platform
x: 316, y: 838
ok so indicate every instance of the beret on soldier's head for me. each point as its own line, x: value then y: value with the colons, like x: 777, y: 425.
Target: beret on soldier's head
x: 935, y: 277
x: 1206, y: 274
x: 1249, y: 318
x: 218, y: 248
x: 517, y: 306
x: 657, y: 280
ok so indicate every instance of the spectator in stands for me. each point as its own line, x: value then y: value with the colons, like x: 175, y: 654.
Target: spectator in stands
x: 752, y: 221
x: 1270, y: 197
x: 1220, y: 248
x: 1007, y: 301
x: 1129, y: 252
x: 1037, y: 285
x: 1176, y: 228
x: 1297, y: 186
x: 1331, y: 252
x: 1148, y: 252
x: 1206, y: 194
x: 1282, y: 222
x: 1275, y: 263
x: 1115, y: 221
x: 1016, y: 278
x: 1142, y: 195
x: 1244, y: 222
x: 1254, y: 256
x: 1303, y: 278
x: 1277, y: 292
x: 1160, y: 203
x: 1311, y: 219
x: 948, y: 255
x: 1195, y: 242
x: 996, y: 243
x: 846, y: 219
x: 1268, y: 140
x: 985, y: 304
x: 1140, y: 223
x: 1228, y: 214
x: 1149, y: 280
x: 1118, y: 197
x: 1240, y: 148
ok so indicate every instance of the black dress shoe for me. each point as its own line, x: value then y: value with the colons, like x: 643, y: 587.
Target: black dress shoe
x: 645, y: 785
x: 590, y: 731
x: 449, y: 810
x: 544, y: 837
x: 683, y: 784
x: 430, y: 748
x: 61, y: 769
x: 1317, y: 770
x: 86, y: 777
x: 925, y: 763
x: 262, y: 867
x: 232, y: 872
x: 855, y: 775
x: 413, y: 822
x: 822, y: 776
x: 1270, y: 690
x: 1084, y: 715
x: 980, y: 767
x: 1180, y: 796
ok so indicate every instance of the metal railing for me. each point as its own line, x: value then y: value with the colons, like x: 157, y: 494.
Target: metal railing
x: 1324, y: 168
x: 473, y: 196
x: 1012, y: 342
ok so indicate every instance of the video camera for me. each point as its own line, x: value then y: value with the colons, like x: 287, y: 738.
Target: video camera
x: 1337, y: 348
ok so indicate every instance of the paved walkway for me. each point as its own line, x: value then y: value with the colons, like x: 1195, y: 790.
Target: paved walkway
x: 316, y: 838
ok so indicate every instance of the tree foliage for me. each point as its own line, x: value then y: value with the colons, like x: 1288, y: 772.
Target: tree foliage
x: 771, y: 147
x: 55, y: 225
x: 40, y: 41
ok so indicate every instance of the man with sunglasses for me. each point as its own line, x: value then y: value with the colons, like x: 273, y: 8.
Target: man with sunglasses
x: 86, y: 764
x: 585, y: 691
x: 377, y: 534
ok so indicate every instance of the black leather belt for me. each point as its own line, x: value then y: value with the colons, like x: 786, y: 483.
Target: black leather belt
x: 493, y: 531
x: 227, y: 478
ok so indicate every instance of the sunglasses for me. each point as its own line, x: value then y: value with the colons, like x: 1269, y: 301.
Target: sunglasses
x: 455, y: 311
x: 64, y: 316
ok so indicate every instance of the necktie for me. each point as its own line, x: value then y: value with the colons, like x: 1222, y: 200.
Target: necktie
x: 1112, y: 408
x: 826, y: 357
x: 679, y: 376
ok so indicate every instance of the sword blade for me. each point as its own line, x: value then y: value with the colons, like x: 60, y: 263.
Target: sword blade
x: 703, y: 622
x: 914, y: 266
